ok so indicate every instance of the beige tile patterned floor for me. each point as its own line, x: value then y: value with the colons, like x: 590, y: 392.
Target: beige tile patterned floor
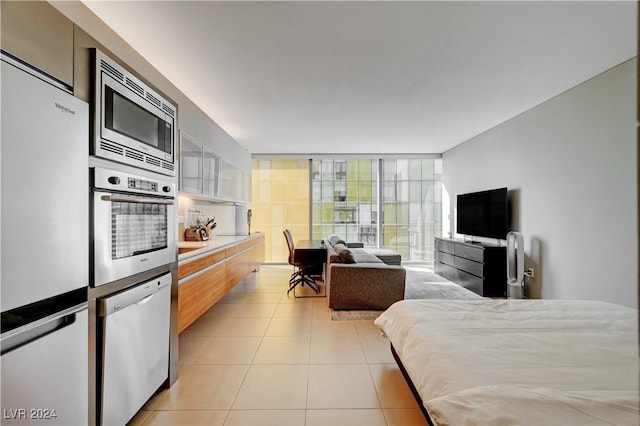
x: 260, y: 357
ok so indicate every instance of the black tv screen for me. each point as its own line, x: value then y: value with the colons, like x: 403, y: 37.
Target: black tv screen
x: 483, y: 214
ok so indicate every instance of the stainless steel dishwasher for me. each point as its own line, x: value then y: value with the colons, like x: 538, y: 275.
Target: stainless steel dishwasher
x: 135, y: 347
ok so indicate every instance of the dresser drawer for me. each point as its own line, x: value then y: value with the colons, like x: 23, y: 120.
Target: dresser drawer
x: 445, y: 246
x: 470, y: 282
x: 446, y: 258
x: 470, y: 252
x: 445, y: 271
x: 469, y: 266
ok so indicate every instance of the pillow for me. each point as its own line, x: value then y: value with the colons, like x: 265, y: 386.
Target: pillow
x: 344, y: 253
x: 334, y: 239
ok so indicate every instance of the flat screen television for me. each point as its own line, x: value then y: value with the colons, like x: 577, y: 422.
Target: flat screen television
x: 483, y: 214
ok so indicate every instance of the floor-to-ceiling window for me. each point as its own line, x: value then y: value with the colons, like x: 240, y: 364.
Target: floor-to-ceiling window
x: 345, y: 199
x: 412, y: 206
x: 391, y: 202
x: 280, y: 199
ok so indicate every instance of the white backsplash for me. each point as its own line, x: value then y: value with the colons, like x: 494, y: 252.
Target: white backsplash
x: 225, y: 215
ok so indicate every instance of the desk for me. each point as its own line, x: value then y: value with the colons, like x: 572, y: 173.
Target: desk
x: 314, y: 254
x: 310, y: 251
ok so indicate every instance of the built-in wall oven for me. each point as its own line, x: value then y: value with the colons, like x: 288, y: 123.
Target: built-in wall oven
x: 132, y: 123
x: 133, y: 224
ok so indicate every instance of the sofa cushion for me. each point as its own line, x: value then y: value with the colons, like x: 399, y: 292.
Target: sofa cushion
x: 365, y: 258
x: 344, y: 253
x: 389, y: 257
x: 334, y: 239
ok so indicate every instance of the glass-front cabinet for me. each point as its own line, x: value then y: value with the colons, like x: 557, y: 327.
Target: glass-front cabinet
x: 190, y: 164
x: 211, y: 173
x: 206, y: 174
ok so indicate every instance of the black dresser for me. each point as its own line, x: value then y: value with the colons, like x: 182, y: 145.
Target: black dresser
x: 479, y: 267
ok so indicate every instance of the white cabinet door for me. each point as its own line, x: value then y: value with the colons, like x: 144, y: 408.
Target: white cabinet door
x: 211, y: 173
x: 190, y: 164
x: 227, y: 180
x: 239, y: 184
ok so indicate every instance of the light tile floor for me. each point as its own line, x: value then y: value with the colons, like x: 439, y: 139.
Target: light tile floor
x: 258, y: 357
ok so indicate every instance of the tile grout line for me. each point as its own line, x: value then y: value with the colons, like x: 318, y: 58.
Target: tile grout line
x: 235, y: 398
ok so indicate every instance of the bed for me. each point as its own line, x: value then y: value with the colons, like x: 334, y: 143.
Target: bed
x: 526, y: 362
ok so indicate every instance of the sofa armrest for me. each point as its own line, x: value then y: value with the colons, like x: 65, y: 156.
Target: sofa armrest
x: 365, y: 285
x: 332, y: 254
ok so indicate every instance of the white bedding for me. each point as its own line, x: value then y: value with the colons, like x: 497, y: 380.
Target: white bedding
x: 519, y: 361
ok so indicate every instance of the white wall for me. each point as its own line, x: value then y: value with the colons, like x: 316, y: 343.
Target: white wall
x: 570, y: 166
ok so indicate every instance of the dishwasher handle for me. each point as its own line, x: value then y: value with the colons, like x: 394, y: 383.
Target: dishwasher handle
x: 31, y: 332
x: 145, y: 300
x: 136, y: 295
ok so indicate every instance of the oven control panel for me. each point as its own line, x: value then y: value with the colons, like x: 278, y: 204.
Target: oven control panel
x: 143, y: 185
x: 114, y: 180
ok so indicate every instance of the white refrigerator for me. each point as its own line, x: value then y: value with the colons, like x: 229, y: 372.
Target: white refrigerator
x: 44, y: 251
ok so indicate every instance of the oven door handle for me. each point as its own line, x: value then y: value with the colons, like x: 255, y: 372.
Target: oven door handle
x: 125, y: 199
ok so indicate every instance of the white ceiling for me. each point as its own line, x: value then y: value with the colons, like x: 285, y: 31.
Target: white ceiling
x: 372, y: 77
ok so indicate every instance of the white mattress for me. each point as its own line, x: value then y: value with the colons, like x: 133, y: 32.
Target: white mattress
x: 519, y: 361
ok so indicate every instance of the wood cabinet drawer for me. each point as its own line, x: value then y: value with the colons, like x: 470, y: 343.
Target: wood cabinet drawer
x: 194, y: 266
x: 469, y: 266
x: 470, y: 252
x: 191, y: 267
x: 198, y: 294
x: 231, y: 265
x: 232, y: 250
x: 216, y: 257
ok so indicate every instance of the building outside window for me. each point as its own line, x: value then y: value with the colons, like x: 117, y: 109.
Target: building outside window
x: 412, y: 206
x: 345, y: 199
x: 392, y: 202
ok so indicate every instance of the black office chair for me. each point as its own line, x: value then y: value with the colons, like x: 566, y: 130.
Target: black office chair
x: 303, y: 271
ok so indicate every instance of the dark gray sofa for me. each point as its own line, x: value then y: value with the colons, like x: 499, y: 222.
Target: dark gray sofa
x: 359, y: 278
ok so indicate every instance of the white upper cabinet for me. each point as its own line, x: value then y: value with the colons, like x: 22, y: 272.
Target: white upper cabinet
x: 190, y: 165
x: 211, y: 173
x: 206, y: 174
x: 227, y: 180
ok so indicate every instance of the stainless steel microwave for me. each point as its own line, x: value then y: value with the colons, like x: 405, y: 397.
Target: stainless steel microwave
x: 132, y: 123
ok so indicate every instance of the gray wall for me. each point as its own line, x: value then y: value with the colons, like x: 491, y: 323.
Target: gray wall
x: 570, y: 166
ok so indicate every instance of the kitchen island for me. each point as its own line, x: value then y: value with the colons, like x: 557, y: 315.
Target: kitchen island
x: 207, y: 270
